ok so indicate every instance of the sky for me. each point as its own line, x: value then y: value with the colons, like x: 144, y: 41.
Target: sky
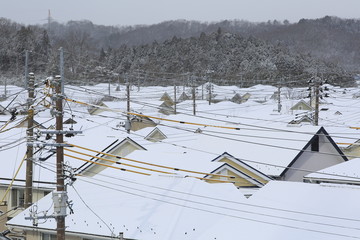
x: 134, y: 12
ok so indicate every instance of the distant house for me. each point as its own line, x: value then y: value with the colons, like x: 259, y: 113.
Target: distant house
x: 183, y: 97
x: 244, y: 175
x: 97, y: 110
x: 275, y: 96
x: 141, y: 122
x: 69, y: 121
x: 236, y: 98
x: 246, y: 97
x: 302, y: 119
x: 166, y: 109
x: 167, y: 99
x: 155, y: 135
x: 302, y: 106
x: 119, y: 148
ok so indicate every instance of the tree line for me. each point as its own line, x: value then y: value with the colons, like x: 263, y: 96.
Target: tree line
x: 228, y: 52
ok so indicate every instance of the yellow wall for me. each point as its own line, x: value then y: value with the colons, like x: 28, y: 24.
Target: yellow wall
x: 352, y: 152
x: 124, y: 150
x: 144, y: 123
x: 239, y: 181
x: 37, y: 195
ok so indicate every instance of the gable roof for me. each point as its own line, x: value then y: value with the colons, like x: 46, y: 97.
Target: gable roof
x: 183, y: 97
x: 70, y: 121
x: 110, y: 148
x: 301, y: 105
x: 320, y: 131
x: 243, y: 164
x: 238, y: 172
x: 153, y: 132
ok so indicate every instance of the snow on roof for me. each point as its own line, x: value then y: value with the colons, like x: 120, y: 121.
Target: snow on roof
x: 254, y: 145
x: 296, y: 211
x: 348, y: 171
x: 181, y: 208
x: 145, y: 208
x: 175, y: 157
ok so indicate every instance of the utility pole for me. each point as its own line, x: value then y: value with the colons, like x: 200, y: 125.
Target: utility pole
x: 317, y: 95
x: 26, y: 68
x: 62, y: 69
x: 128, y: 122
x: 60, y: 196
x: 194, y: 98
x: 202, y: 91
x: 5, y: 90
x: 279, y: 99
x: 30, y: 139
x: 109, y: 87
x: 138, y: 81
x: 209, y: 86
x: 175, y: 98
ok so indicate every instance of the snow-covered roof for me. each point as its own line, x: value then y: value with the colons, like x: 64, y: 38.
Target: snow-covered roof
x: 346, y: 172
x: 181, y: 208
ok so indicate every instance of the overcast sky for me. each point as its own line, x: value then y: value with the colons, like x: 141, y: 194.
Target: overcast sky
x: 132, y: 12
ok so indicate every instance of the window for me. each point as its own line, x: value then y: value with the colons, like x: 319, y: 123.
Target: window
x: 315, y: 144
x: 17, y: 197
x: 47, y: 236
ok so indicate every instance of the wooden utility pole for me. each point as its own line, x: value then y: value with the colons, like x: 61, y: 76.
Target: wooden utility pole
x: 194, y: 98
x: 209, y: 86
x: 60, y: 186
x: 279, y: 99
x: 317, y: 95
x: 128, y: 122
x: 26, y: 68
x: 175, y: 98
x: 30, y: 140
x: 62, y: 69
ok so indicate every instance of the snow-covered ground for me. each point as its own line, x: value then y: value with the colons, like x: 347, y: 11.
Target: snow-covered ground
x: 163, y: 206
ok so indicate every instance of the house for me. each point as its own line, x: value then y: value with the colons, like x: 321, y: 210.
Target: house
x: 236, y: 98
x: 93, y: 110
x: 12, y: 186
x: 303, y: 119
x: 183, y: 97
x: 343, y: 173
x: 245, y: 97
x: 166, y: 109
x: 155, y: 135
x: 141, y: 122
x: 70, y: 121
x: 167, y: 99
x: 301, y: 106
x: 314, y: 156
x: 245, y: 175
x: 120, y: 148
x: 159, y: 207
x: 352, y: 150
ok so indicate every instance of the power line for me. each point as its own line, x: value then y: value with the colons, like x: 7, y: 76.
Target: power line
x: 223, y: 214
